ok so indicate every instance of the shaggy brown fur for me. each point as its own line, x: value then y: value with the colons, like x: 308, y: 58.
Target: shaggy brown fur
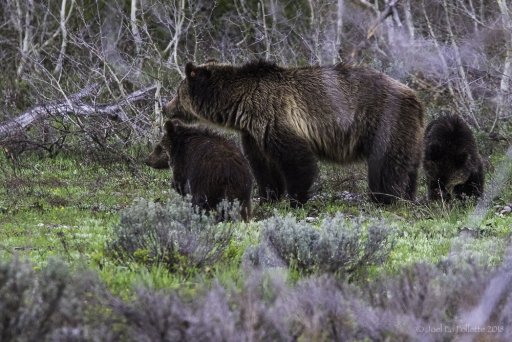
x: 205, y: 165
x: 172, y: 112
x: 158, y: 159
x: 289, y: 117
x: 452, y: 163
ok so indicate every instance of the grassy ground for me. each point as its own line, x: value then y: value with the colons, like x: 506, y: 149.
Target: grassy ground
x: 65, y: 207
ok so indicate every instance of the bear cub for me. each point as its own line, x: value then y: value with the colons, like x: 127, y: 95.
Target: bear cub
x: 452, y: 163
x: 205, y: 165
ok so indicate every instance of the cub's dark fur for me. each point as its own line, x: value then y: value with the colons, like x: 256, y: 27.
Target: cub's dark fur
x: 205, y: 165
x: 158, y: 159
x: 290, y: 117
x: 452, y: 163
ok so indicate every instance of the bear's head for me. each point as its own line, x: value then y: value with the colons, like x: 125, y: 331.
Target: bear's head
x: 194, y: 91
x: 159, y: 157
x: 450, y: 151
x: 214, y: 91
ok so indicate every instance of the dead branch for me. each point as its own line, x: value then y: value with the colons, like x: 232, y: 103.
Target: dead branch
x: 74, y: 106
x: 366, y: 5
x: 383, y: 15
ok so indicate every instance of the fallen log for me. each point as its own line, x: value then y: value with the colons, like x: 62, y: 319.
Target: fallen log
x: 73, y: 105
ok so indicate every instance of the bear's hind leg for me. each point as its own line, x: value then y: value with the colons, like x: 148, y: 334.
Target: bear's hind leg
x: 298, y: 165
x: 271, y: 184
x: 390, y: 180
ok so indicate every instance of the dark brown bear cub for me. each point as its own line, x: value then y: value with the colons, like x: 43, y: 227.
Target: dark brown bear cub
x: 158, y: 159
x: 291, y: 117
x: 205, y: 165
x: 452, y: 163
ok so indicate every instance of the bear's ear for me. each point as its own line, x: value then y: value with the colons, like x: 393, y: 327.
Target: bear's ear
x: 169, y: 127
x: 193, y: 72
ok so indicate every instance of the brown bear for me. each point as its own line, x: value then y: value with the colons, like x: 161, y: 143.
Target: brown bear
x: 158, y: 159
x: 452, y: 163
x: 290, y: 117
x: 205, y: 165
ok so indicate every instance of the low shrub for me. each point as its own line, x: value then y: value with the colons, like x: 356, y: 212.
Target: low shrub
x: 213, y: 314
x: 51, y: 304
x: 422, y: 303
x: 175, y: 234
x: 338, y: 245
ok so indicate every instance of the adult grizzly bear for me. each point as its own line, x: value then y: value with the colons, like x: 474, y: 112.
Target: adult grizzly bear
x: 452, y: 163
x: 289, y: 117
x: 205, y: 165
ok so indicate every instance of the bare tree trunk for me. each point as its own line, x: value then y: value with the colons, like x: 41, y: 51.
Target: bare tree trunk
x: 261, y: 7
x: 408, y: 19
x: 25, y: 33
x: 470, y: 12
x: 388, y: 10
x: 137, y: 40
x: 504, y: 91
x: 64, y: 34
x: 158, y: 118
x: 473, y: 16
x: 339, y: 29
x: 463, y: 81
x: 311, y: 13
x: 179, y: 17
x: 444, y: 64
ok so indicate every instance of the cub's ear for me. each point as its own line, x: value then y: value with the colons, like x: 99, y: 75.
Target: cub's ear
x: 193, y: 72
x: 171, y: 106
x: 170, y: 127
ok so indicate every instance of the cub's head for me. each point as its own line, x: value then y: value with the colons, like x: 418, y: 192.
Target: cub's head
x: 450, y: 151
x: 160, y: 156
x: 158, y: 159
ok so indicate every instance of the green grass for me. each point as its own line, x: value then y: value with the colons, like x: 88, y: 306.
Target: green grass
x: 67, y: 208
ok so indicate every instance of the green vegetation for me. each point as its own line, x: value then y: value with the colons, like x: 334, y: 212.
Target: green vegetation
x: 340, y: 267
x: 154, y: 260
x: 63, y: 207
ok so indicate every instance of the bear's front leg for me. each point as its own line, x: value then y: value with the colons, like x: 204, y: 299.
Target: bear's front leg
x: 436, y: 191
x: 473, y: 187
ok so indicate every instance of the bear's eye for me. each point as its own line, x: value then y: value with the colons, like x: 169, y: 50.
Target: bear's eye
x: 433, y: 152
